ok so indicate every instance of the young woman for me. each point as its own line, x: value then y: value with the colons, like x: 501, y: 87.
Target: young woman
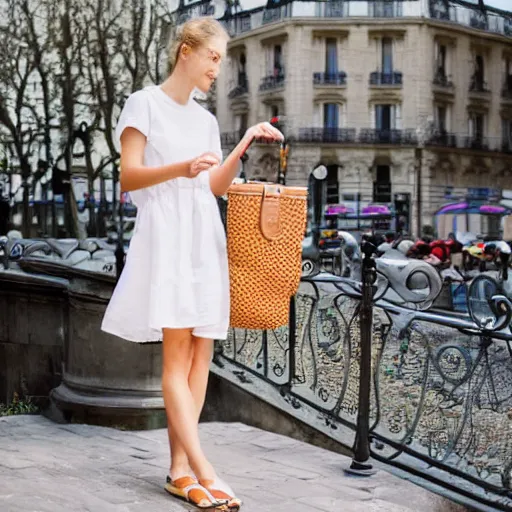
x: 175, y: 284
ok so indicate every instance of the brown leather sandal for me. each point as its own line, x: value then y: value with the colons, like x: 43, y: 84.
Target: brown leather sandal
x: 189, y: 489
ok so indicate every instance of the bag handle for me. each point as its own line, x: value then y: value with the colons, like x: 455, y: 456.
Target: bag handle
x: 270, y: 221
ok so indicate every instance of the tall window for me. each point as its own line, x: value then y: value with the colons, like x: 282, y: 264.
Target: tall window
x: 384, y: 117
x: 508, y: 74
x: 331, y: 56
x: 477, y: 126
x: 387, y: 55
x: 441, y: 60
x: 479, y: 75
x: 507, y: 134
x: 331, y: 115
x: 278, y: 60
x: 441, y: 119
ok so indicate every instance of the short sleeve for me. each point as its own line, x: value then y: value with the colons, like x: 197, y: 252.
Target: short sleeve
x: 215, y: 145
x: 135, y: 114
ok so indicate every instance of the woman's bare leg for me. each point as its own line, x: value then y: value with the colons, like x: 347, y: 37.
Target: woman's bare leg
x: 202, y: 353
x: 180, y: 404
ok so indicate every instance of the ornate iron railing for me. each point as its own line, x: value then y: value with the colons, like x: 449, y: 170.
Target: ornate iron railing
x: 327, y: 78
x: 271, y: 82
x: 336, y: 135
x: 380, y: 78
x: 441, y: 380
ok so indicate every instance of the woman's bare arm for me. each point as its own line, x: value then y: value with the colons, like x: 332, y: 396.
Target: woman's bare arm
x: 135, y: 175
x: 222, y: 176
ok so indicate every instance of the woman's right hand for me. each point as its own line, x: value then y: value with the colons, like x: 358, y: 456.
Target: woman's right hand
x: 202, y: 163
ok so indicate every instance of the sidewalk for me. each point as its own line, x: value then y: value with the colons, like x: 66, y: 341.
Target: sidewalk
x: 47, y: 467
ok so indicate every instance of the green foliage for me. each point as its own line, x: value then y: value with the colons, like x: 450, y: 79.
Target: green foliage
x: 18, y: 406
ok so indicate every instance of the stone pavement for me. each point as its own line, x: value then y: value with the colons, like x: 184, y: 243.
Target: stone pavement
x: 50, y: 467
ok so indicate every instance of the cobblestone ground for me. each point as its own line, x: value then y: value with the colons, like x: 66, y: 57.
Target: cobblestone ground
x: 49, y: 467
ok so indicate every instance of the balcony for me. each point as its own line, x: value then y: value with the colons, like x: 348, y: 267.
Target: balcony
x: 385, y: 9
x: 228, y: 139
x: 478, y: 85
x: 378, y: 136
x: 477, y: 142
x: 394, y: 79
x: 335, y: 9
x: 443, y: 138
x: 479, y: 21
x: 272, y: 82
x: 441, y: 79
x: 277, y: 14
x: 506, y: 91
x: 327, y: 135
x: 241, y: 88
x: 339, y: 78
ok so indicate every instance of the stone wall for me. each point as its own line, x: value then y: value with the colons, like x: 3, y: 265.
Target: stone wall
x: 33, y: 319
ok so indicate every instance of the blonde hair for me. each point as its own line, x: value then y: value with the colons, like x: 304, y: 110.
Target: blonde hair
x: 194, y: 33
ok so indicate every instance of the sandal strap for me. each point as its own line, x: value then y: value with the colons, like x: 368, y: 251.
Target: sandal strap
x: 199, y: 487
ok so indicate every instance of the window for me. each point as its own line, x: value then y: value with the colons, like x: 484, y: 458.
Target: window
x: 331, y: 56
x: 278, y: 60
x: 476, y: 126
x: 331, y: 115
x: 441, y: 60
x: 384, y: 117
x: 507, y: 86
x: 274, y: 111
x: 507, y: 134
x: 441, y: 118
x: 387, y: 55
x: 478, y: 80
x: 242, y: 74
x: 241, y: 122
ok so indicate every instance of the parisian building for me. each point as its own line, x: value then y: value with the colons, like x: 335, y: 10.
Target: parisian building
x: 407, y: 103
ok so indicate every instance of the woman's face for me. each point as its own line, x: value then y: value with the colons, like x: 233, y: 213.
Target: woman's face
x: 205, y: 61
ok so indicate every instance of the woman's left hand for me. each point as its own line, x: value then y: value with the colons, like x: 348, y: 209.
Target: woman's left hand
x: 264, y: 131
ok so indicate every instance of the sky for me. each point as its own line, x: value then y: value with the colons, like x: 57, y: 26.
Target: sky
x: 506, y: 5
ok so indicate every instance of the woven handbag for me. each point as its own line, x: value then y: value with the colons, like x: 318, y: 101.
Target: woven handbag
x: 265, y: 228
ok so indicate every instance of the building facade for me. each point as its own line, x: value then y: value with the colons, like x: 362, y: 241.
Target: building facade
x: 407, y: 103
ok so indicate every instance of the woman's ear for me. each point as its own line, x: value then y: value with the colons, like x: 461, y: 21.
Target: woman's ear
x: 185, y: 50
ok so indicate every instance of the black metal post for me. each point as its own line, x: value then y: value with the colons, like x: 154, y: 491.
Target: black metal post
x: 360, y: 465
x: 292, y: 333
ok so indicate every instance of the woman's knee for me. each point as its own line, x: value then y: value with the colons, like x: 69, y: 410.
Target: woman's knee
x: 202, y: 351
x: 177, y: 352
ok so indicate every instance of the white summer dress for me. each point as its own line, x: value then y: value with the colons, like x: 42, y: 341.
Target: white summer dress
x: 176, y: 271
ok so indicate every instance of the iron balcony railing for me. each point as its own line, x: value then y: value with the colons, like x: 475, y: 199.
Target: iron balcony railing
x: 506, y: 92
x: 477, y: 142
x: 478, y: 21
x: 454, y: 11
x: 335, y: 9
x: 420, y: 378
x: 242, y: 87
x: 385, y: 9
x: 231, y: 138
x: 330, y: 78
x: 326, y: 135
x: 478, y: 84
x: 271, y: 82
x: 380, y: 78
x: 378, y: 136
x: 442, y: 79
x: 444, y: 139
